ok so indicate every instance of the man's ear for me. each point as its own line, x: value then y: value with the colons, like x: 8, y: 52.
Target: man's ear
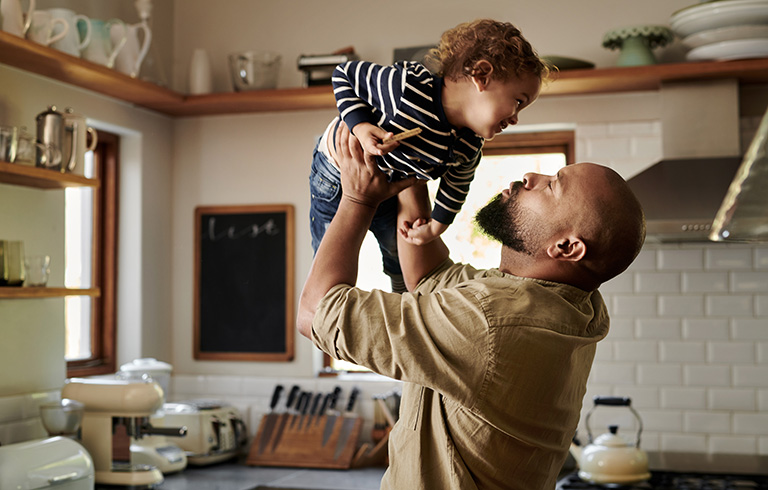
x: 570, y: 248
x: 481, y: 75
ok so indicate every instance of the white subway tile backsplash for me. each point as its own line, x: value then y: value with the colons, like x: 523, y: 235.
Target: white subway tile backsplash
x: 707, y: 422
x: 658, y: 328
x: 731, y: 399
x: 728, y: 258
x: 645, y: 261
x: 641, y: 396
x: 749, y: 282
x: 586, y: 130
x: 621, y: 328
x: 730, y: 352
x: 726, y: 305
x: 613, y: 373
x: 750, y: 423
x: 690, y: 352
x: 761, y: 258
x: 705, y: 375
x: 607, y: 148
x: 762, y: 352
x: 659, y: 374
x: 706, y: 329
x: 681, y: 259
x: 755, y: 376
x: 682, y: 442
x: 705, y: 282
x: 663, y: 420
x: 732, y: 445
x: 761, y: 305
x: 762, y: 446
x: 604, y: 351
x: 636, y: 350
x: 750, y: 328
x: 681, y: 306
x: 762, y: 400
x: 633, y: 305
x: 635, y: 128
x: 657, y: 282
x: 684, y: 398
x: 623, y: 283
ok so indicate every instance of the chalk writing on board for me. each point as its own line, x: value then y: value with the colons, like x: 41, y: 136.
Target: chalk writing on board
x: 231, y: 232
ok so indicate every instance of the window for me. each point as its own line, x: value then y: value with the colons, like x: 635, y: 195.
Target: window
x: 506, y: 158
x: 91, y: 262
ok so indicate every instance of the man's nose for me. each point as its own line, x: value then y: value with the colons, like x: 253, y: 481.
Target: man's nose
x: 530, y: 179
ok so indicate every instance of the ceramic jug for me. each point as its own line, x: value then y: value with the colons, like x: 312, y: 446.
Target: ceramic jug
x: 77, y: 146
x: 133, y: 53
x: 14, y: 20
x: 74, y: 41
x: 43, y: 28
x: 102, y: 50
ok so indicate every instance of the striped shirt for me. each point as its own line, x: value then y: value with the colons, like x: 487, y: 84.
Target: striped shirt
x: 404, y: 96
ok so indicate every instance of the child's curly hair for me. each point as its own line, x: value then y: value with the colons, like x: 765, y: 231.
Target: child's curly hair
x: 499, y: 43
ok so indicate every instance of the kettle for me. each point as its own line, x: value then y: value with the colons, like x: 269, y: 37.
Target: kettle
x: 609, y: 458
x: 50, y: 134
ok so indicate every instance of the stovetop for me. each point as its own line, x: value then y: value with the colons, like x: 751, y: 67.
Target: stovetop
x: 671, y: 480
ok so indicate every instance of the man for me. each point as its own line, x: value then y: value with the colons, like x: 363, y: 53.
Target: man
x: 495, y: 363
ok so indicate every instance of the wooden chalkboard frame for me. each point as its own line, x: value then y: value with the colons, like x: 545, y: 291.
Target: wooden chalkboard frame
x: 283, y: 355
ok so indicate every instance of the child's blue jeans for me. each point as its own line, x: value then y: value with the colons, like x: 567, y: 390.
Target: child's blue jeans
x: 325, y: 191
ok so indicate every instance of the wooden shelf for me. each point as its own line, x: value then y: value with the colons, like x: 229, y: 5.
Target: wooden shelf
x: 38, y: 292
x: 51, y: 63
x: 41, y: 178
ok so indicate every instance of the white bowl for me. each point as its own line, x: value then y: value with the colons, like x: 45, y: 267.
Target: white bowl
x: 730, y: 50
x: 723, y: 34
x: 722, y: 13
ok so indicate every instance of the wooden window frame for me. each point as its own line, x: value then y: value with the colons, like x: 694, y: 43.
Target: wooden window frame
x: 510, y: 144
x: 104, y: 262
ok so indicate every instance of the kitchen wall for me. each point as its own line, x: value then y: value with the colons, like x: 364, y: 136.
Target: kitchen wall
x: 683, y: 315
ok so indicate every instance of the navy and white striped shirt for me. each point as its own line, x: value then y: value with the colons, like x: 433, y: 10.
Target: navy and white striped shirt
x: 405, y: 96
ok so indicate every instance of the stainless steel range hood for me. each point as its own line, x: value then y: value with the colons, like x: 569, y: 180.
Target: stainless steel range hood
x: 681, y: 197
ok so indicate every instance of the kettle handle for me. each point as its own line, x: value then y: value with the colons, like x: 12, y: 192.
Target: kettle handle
x: 614, y: 401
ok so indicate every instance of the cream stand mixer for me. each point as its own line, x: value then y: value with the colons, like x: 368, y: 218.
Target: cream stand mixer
x: 116, y: 414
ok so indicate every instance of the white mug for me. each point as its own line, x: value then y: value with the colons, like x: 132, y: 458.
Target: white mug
x: 129, y: 58
x: 73, y: 42
x: 14, y: 20
x: 41, y: 30
x: 102, y: 50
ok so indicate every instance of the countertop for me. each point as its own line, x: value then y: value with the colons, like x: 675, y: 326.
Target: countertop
x: 239, y: 476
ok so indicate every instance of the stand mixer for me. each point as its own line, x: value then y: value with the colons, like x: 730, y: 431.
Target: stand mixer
x: 116, y: 414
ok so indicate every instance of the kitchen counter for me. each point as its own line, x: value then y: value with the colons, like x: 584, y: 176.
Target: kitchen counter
x: 238, y: 476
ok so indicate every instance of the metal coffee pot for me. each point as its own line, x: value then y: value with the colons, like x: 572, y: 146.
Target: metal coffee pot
x: 77, y: 145
x: 51, y: 134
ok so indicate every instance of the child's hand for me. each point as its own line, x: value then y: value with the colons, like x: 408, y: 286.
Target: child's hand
x: 421, y: 231
x: 371, y: 137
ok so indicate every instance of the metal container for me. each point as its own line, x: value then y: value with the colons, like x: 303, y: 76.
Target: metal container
x: 254, y: 70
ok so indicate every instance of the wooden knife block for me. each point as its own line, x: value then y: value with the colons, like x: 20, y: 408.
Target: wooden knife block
x: 303, y: 448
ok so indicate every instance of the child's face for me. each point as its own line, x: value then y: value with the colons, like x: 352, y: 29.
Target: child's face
x: 497, y: 104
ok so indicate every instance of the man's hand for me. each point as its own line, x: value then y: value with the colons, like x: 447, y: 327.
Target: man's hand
x: 361, y: 180
x: 371, y: 137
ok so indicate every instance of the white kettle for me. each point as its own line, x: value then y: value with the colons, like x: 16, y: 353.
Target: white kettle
x: 610, y: 459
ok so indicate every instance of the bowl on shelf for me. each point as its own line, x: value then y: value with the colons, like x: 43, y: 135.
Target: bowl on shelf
x: 63, y: 417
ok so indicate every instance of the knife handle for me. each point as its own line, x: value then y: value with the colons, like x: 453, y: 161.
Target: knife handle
x: 292, y: 396
x: 304, y: 402
x: 352, y: 399
x: 334, y: 397
x: 275, y: 397
x: 315, y: 403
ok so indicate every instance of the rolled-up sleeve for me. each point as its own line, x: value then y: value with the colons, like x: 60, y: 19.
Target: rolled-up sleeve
x: 437, y: 340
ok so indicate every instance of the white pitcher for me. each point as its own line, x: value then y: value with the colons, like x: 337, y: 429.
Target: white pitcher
x: 43, y: 28
x: 101, y: 49
x: 14, y: 20
x: 130, y: 57
x: 73, y: 42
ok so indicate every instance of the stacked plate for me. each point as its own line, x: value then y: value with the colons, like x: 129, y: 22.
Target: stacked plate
x: 723, y: 29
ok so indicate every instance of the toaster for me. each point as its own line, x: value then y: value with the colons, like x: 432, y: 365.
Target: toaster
x: 215, y: 430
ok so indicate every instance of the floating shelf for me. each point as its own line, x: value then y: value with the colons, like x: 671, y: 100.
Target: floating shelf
x: 41, y: 178
x: 42, y: 60
x: 45, y: 292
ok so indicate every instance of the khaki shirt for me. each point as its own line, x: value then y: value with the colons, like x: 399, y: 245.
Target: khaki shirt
x: 495, y: 369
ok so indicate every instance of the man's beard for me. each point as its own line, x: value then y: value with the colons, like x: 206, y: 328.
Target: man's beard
x: 501, y: 221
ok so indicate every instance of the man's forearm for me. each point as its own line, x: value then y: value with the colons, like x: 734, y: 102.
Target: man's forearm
x: 336, y: 258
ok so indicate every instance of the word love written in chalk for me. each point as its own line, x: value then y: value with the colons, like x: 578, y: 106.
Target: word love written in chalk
x: 268, y: 228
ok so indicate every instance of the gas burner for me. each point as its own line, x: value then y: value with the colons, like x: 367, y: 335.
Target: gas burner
x: 670, y: 480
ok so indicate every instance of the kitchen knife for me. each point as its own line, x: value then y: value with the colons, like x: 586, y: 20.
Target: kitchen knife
x: 303, y: 399
x: 346, y: 426
x: 313, y: 410
x: 284, y: 416
x: 324, y: 406
x: 305, y: 408
x: 332, y: 416
x: 270, y: 419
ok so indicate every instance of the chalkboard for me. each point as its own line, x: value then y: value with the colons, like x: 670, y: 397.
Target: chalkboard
x: 244, y: 259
